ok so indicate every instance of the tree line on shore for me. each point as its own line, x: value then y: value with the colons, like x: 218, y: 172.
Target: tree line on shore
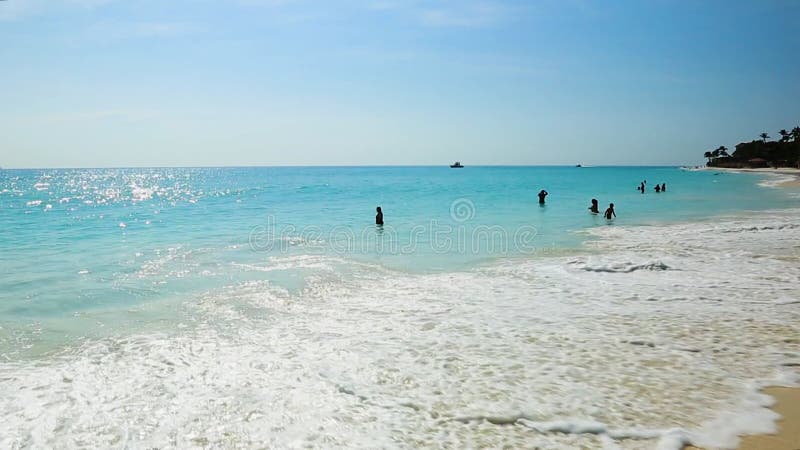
x: 784, y: 152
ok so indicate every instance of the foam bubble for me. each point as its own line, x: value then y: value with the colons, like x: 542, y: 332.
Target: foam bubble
x: 656, y: 337
x: 776, y: 180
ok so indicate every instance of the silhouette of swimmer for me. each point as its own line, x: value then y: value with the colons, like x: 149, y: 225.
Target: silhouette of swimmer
x: 542, y: 195
x: 379, y: 216
x: 663, y: 187
x: 594, y: 208
x: 658, y: 188
x: 610, y: 212
x: 641, y: 187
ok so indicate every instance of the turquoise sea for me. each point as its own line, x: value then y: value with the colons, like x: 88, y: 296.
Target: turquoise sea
x: 263, y: 276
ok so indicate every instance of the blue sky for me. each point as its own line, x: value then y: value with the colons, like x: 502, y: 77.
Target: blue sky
x: 95, y: 83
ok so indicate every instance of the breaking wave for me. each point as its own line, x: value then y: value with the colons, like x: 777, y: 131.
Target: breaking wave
x: 657, y: 337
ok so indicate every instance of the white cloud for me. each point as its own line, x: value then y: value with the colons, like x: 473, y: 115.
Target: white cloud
x: 13, y: 10
x: 89, y: 3
x: 20, y: 9
x: 446, y: 13
x: 116, y: 30
x: 266, y: 3
x: 385, y: 5
x: 467, y: 14
x: 89, y: 116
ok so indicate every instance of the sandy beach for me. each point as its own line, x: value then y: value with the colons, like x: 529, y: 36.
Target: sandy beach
x: 791, y: 183
x: 787, y: 398
x: 400, y: 224
x: 787, y: 404
x: 792, y: 179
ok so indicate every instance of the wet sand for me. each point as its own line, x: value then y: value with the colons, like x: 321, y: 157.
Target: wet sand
x: 790, y: 183
x: 787, y: 398
x: 783, y: 170
x: 795, y: 173
x: 788, y: 435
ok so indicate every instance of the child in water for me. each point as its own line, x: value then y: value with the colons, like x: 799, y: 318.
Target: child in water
x: 594, y: 209
x: 610, y: 212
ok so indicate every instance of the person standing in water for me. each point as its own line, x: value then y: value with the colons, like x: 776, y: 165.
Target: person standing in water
x: 379, y: 216
x: 641, y: 187
x: 594, y: 209
x: 542, y: 195
x: 610, y: 212
x: 658, y: 188
x: 663, y: 187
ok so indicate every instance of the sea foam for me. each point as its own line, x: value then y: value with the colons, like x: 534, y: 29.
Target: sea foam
x: 656, y: 337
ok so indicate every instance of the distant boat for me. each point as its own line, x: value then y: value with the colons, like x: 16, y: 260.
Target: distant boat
x: 456, y: 165
x: 578, y: 165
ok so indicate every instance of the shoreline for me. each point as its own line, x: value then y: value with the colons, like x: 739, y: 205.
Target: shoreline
x: 677, y: 358
x: 787, y: 434
x: 787, y: 437
x: 786, y: 398
x: 792, y: 180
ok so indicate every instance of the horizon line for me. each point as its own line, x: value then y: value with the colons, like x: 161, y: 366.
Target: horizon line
x: 340, y: 166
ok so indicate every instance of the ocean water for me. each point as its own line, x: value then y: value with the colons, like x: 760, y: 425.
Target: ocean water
x: 250, y: 307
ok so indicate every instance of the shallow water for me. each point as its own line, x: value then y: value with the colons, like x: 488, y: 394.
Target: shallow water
x: 653, y: 331
x: 82, y: 240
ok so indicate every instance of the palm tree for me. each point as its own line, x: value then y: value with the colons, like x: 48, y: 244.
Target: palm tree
x: 784, y: 135
x: 715, y: 153
x: 723, y: 151
x: 764, y: 137
x: 796, y: 134
x: 708, y: 155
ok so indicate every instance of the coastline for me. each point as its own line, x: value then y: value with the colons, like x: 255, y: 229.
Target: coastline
x: 787, y: 399
x: 792, y: 179
x: 668, y: 356
x: 787, y: 435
